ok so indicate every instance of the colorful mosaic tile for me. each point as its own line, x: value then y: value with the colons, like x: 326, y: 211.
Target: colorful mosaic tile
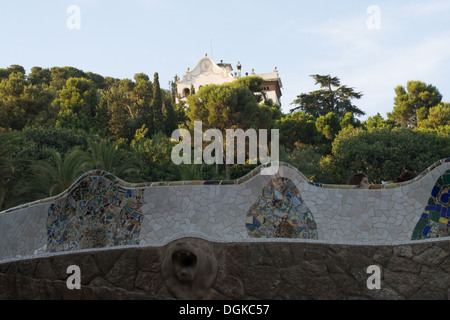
x: 281, y: 213
x: 98, y: 212
x: 435, y: 219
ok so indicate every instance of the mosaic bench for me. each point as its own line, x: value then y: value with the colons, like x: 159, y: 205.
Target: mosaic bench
x: 100, y: 211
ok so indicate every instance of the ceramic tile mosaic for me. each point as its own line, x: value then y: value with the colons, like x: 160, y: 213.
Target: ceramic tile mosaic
x: 98, y: 212
x: 281, y: 213
x: 435, y: 219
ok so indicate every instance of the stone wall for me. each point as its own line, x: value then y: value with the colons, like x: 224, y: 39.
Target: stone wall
x: 266, y: 271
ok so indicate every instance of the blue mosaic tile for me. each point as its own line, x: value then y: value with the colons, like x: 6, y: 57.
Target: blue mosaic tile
x: 435, y: 219
x: 97, y: 212
x: 281, y: 213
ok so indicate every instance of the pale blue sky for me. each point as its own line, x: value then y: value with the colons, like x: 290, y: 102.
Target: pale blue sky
x: 301, y: 38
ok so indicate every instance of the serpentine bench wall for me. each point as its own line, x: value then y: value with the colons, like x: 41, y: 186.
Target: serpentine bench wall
x: 101, y: 211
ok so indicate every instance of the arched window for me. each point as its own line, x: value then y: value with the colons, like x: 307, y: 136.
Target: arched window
x: 186, y: 92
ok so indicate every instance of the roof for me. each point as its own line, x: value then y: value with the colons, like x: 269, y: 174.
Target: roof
x: 273, y: 76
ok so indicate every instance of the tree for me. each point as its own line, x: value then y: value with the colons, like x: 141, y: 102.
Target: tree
x: 5, y: 73
x: 22, y: 103
x: 59, y: 138
x: 55, y: 173
x: 101, y: 117
x: 97, y: 79
x: 77, y: 101
x: 328, y: 125
x: 378, y: 122
x: 39, y: 76
x: 117, y: 99
x: 191, y: 172
x: 438, y: 116
x: 296, y: 129
x: 382, y: 153
x: 170, y: 116
x: 253, y: 83
x: 8, y: 166
x: 13, y: 107
x: 141, y: 103
x: 60, y: 76
x: 227, y: 106
x: 411, y: 105
x: 157, y: 106
x: 349, y: 121
x: 306, y: 159
x: 155, y: 155
x: 107, y: 156
x: 332, y: 97
x: 143, y: 92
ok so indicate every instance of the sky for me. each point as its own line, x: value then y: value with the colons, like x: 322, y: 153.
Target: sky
x: 371, y: 46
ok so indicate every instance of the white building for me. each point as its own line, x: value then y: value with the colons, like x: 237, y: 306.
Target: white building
x: 208, y: 72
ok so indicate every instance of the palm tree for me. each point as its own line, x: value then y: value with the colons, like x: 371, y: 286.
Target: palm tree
x: 107, y: 156
x: 190, y: 172
x: 56, y: 173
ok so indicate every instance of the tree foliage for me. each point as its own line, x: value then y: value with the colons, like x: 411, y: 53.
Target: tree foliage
x: 227, y: 106
x: 378, y: 122
x: 78, y: 102
x: 9, y: 167
x: 108, y: 156
x: 438, y: 117
x: 155, y: 155
x: 413, y: 104
x: 297, y: 129
x: 55, y: 173
x: 383, y: 153
x: 117, y: 100
x: 332, y: 97
x: 57, y: 123
x: 328, y: 125
x: 230, y: 106
x: 157, y: 106
x: 22, y: 103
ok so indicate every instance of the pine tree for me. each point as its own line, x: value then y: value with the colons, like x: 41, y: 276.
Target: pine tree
x: 332, y: 97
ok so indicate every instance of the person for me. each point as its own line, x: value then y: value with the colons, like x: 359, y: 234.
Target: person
x: 406, y: 176
x: 358, y: 179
